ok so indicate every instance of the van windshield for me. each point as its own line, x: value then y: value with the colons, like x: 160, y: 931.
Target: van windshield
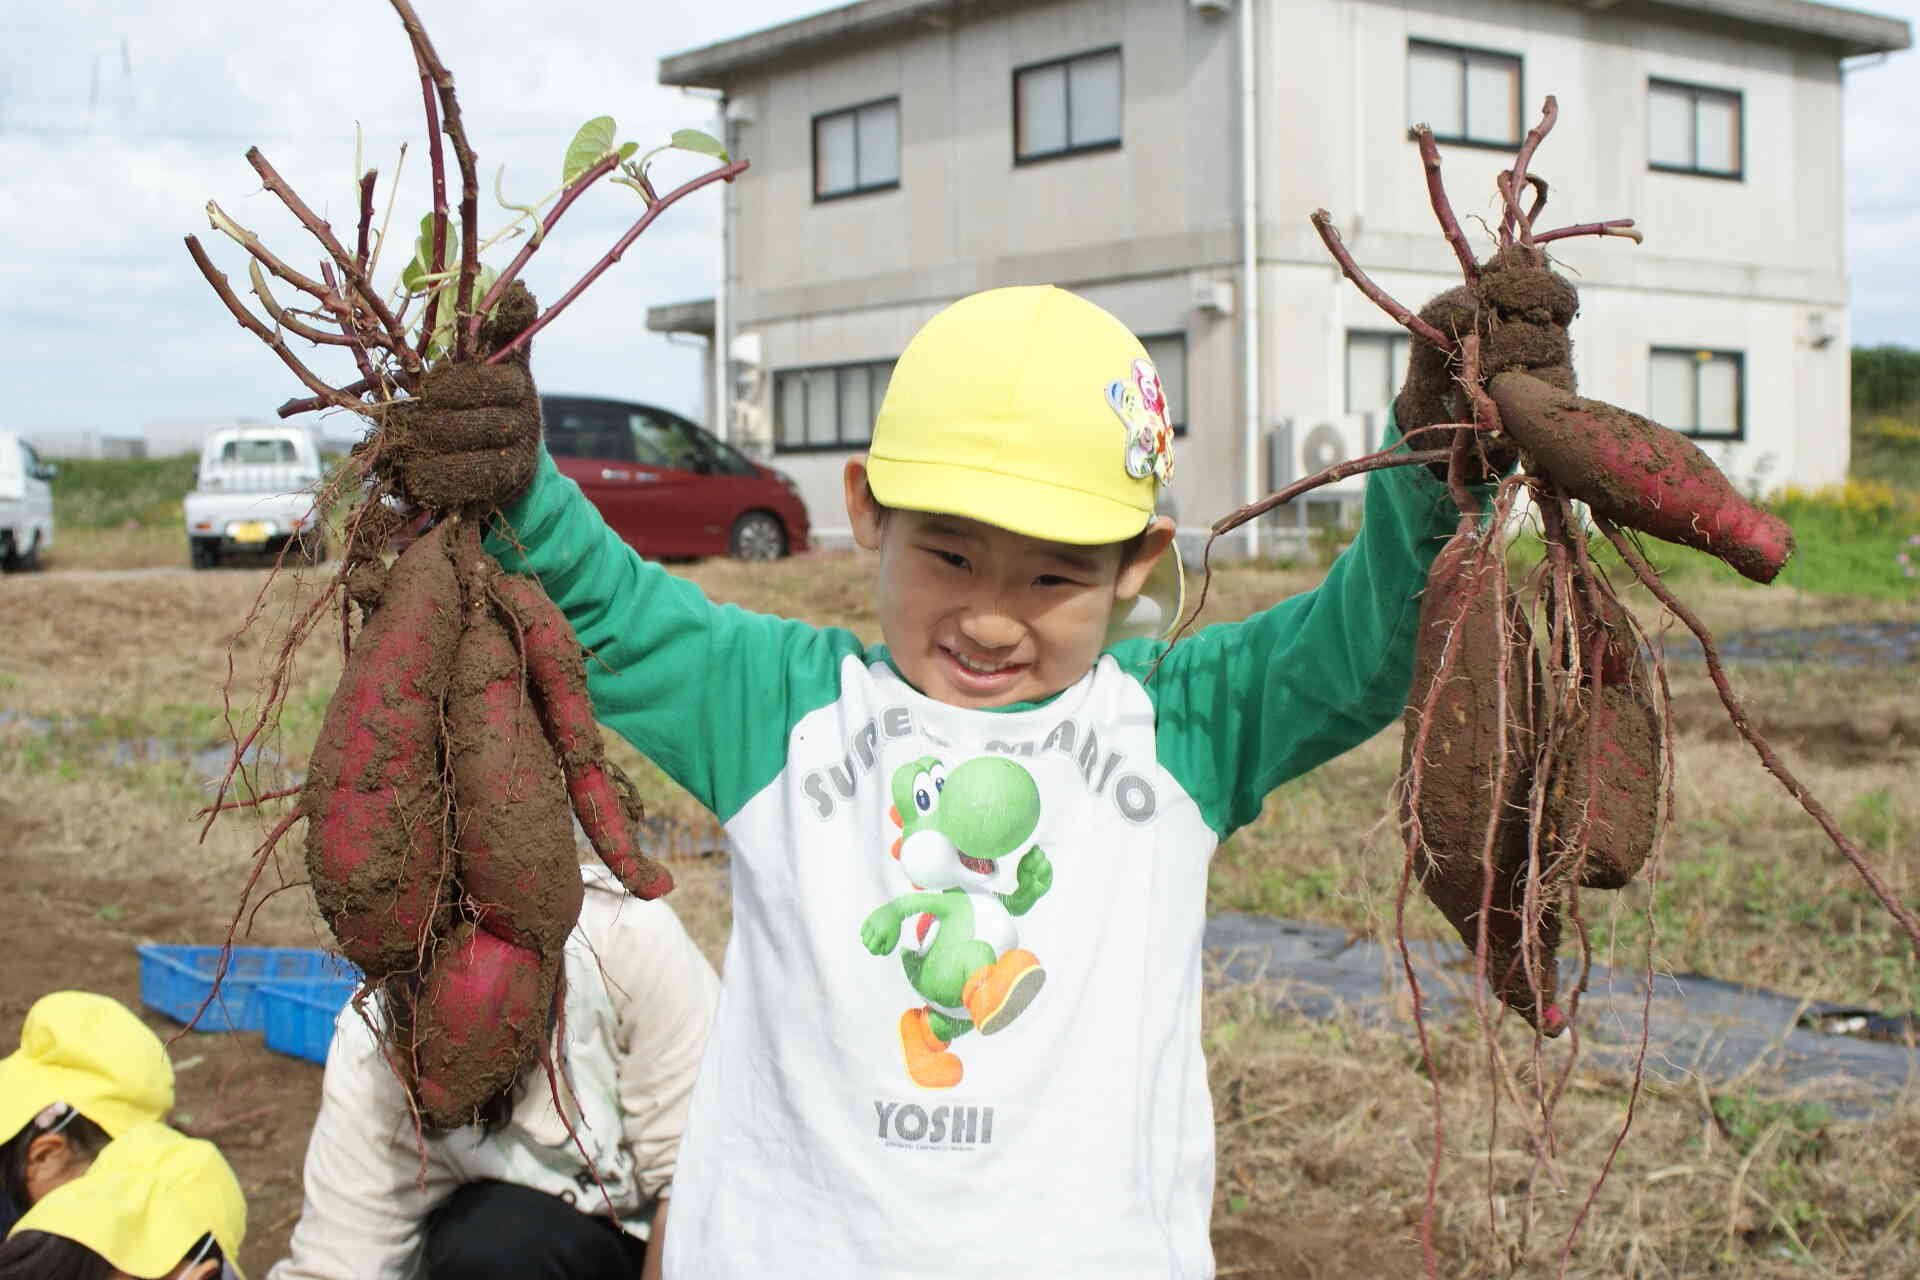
x: 255, y: 452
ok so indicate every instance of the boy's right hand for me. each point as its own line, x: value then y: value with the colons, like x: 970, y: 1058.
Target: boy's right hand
x: 470, y: 435
x: 1521, y: 309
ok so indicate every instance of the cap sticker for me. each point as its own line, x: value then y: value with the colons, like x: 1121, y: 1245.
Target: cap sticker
x: 1142, y: 407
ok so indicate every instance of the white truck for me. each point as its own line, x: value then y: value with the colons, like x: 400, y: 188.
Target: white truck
x: 26, y: 504
x: 254, y: 492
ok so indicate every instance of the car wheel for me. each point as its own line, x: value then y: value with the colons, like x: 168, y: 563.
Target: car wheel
x: 204, y: 552
x: 758, y: 536
x: 31, y: 560
x: 9, y: 562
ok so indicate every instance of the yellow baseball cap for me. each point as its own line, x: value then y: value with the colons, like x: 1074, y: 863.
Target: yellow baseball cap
x: 146, y: 1201
x: 90, y: 1052
x: 1028, y: 408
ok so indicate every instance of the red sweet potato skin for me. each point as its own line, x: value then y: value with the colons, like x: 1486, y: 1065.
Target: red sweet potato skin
x: 513, y: 842
x: 481, y: 1019
x: 603, y: 799
x: 374, y: 798
x: 1639, y: 474
x: 1460, y: 613
x: 1612, y: 836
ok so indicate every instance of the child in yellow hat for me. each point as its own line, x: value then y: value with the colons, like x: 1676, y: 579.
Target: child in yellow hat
x: 155, y: 1203
x: 959, y: 1027
x: 86, y: 1070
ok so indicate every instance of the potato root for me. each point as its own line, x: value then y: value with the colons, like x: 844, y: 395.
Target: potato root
x: 1457, y: 734
x: 513, y: 836
x: 482, y: 1017
x: 1639, y: 474
x: 374, y: 798
x: 603, y: 799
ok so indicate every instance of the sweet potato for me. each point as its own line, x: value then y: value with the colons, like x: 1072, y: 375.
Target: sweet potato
x: 1639, y: 474
x: 603, y: 799
x: 481, y: 1019
x: 374, y: 799
x: 513, y: 842
x: 1446, y: 816
x: 1607, y: 746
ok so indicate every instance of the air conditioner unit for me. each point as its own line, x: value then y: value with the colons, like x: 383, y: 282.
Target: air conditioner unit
x: 1213, y: 295
x: 1302, y: 446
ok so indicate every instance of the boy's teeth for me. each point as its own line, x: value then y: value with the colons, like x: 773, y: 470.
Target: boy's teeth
x: 978, y: 668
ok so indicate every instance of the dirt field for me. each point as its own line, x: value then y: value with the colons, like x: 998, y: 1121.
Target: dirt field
x: 111, y: 695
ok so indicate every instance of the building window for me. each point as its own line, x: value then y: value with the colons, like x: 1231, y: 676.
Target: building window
x: 1376, y: 362
x: 1691, y: 129
x: 857, y: 150
x: 1698, y: 393
x: 831, y: 407
x: 1464, y: 95
x: 1168, y: 351
x: 1067, y: 106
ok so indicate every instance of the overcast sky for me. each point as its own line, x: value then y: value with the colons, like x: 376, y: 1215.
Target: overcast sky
x: 120, y: 120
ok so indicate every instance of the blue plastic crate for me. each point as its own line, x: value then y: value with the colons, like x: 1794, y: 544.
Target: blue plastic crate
x: 176, y: 979
x: 299, y: 1015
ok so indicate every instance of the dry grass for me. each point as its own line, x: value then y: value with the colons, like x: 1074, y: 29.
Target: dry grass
x: 1324, y: 1127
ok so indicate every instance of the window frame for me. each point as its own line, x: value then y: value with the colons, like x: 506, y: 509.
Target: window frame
x: 1465, y: 52
x: 1694, y: 92
x: 1739, y: 359
x: 1186, y: 387
x: 858, y: 188
x: 1389, y: 337
x: 841, y: 443
x: 1071, y: 149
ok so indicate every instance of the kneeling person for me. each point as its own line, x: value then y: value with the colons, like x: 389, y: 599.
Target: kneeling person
x: 520, y: 1195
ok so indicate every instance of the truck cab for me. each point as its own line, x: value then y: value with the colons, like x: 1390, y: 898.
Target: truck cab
x: 254, y: 492
x: 26, y: 504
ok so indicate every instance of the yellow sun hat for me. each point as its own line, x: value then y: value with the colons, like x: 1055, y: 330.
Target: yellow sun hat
x: 92, y: 1053
x: 1028, y: 408
x: 147, y: 1200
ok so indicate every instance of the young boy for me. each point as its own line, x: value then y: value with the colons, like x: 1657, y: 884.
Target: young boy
x: 959, y: 1027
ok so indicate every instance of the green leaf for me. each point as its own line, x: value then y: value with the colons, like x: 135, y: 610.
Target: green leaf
x: 415, y: 278
x: 627, y: 149
x: 705, y: 144
x: 442, y: 340
x: 594, y: 140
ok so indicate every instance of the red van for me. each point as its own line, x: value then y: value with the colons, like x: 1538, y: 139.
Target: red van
x: 669, y: 488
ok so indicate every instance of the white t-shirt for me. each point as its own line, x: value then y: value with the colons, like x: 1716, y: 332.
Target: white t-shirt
x: 894, y: 853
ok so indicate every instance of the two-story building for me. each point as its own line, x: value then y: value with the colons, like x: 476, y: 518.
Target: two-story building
x: 1162, y: 157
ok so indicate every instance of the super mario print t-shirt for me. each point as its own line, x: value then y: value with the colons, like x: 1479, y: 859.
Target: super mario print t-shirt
x: 959, y: 1026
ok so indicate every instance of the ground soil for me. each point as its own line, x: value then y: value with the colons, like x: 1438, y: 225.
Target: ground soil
x: 1323, y: 1128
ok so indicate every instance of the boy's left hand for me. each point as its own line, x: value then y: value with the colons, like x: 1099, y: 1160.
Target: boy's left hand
x: 1521, y: 310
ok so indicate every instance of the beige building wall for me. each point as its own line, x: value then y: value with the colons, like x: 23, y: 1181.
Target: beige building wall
x: 1754, y: 265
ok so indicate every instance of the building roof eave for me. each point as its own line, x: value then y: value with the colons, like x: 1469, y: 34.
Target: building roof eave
x: 695, y: 316
x: 709, y: 66
x: 1849, y: 32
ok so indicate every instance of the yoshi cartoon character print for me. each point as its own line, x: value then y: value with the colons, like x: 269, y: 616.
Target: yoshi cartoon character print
x: 965, y: 847
x: 959, y: 1029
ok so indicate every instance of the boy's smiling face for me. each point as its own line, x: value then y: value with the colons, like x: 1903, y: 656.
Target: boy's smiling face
x: 979, y: 616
